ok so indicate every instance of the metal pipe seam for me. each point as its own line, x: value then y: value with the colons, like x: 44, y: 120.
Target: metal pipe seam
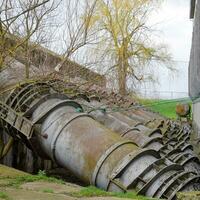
x: 57, y: 118
x: 165, y: 153
x: 188, y: 180
x: 157, y: 165
x: 55, y: 106
x: 128, y: 160
x: 149, y: 132
x: 185, y: 147
x: 106, y: 154
x: 191, y: 165
x: 189, y: 161
x: 187, y: 167
x: 184, y: 180
x: 191, y: 158
x: 36, y: 102
x: 143, y: 141
x: 55, y: 137
x: 134, y: 128
x: 157, y: 177
x: 182, y: 155
x: 172, y: 152
x: 61, y: 131
x: 152, y: 141
x: 163, y: 191
x: 160, y: 191
x: 127, y: 131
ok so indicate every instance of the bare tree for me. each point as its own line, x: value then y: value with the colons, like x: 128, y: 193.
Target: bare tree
x: 30, y: 14
x: 12, y: 14
x: 33, y: 25
x: 77, y: 27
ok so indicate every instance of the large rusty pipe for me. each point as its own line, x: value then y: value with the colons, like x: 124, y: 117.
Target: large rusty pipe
x: 94, y: 153
x: 77, y: 142
x: 100, y: 157
x: 139, y: 133
x: 152, y: 125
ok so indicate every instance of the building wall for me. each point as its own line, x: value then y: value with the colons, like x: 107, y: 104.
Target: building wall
x: 194, y: 76
x: 194, y: 65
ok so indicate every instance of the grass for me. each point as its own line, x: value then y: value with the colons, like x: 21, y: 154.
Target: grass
x: 7, y: 172
x: 48, y: 190
x: 3, y: 195
x: 17, y: 181
x: 164, y: 107
x: 92, y: 191
x: 89, y: 191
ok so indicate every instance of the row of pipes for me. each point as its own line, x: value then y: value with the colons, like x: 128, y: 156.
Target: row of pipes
x: 123, y: 150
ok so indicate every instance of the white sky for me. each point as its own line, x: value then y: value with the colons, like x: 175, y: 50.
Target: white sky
x: 175, y: 27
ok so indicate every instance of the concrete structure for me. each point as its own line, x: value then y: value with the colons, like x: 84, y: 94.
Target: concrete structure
x: 43, y: 62
x: 194, y: 71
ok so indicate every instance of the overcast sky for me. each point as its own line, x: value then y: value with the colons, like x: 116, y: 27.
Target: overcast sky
x: 175, y: 27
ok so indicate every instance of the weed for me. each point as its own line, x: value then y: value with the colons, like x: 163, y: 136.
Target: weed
x: 3, y: 195
x: 48, y: 190
x: 92, y: 191
x: 16, y: 182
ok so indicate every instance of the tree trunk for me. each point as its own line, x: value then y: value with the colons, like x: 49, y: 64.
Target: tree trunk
x: 122, y: 77
x: 27, y: 69
x: 27, y: 65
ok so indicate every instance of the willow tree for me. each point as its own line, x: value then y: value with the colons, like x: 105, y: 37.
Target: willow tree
x: 125, y: 37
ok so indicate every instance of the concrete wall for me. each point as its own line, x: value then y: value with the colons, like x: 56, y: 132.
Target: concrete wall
x: 43, y: 62
x: 194, y: 77
x: 195, y: 138
x: 194, y: 65
x: 196, y: 116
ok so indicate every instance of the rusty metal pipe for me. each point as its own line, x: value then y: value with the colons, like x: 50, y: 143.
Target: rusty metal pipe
x: 146, y: 137
x: 94, y: 153
x: 91, y: 155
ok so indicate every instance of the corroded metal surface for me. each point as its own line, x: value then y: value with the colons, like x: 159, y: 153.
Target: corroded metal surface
x: 121, y: 150
x: 169, y: 138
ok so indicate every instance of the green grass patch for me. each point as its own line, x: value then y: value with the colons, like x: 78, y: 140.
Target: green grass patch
x: 92, y: 191
x: 8, y: 172
x: 17, y: 181
x: 3, y: 195
x: 167, y: 108
x: 48, y: 190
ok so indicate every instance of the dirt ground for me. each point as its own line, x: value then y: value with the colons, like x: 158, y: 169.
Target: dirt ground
x: 45, y: 190
x: 38, y: 190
